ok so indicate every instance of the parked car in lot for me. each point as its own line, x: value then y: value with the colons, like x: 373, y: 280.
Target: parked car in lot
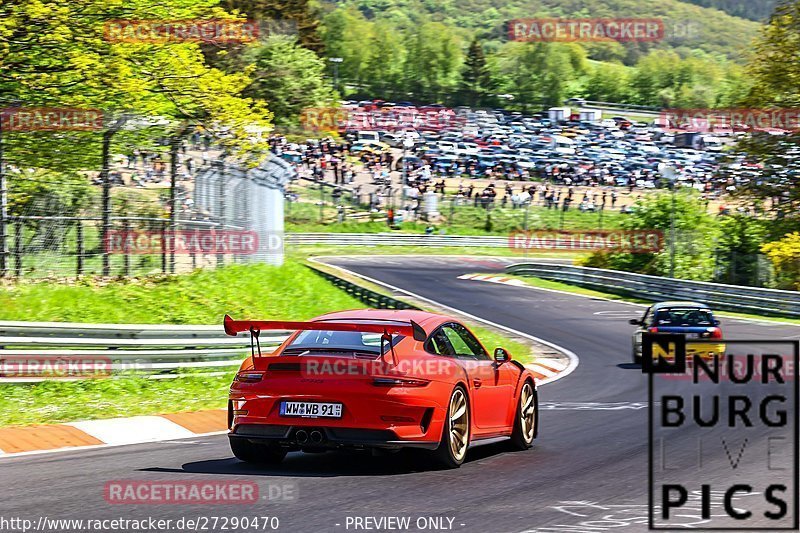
x: 695, y: 320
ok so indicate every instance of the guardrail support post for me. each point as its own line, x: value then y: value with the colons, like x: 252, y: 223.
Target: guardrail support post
x: 126, y: 258
x: 79, y: 247
x: 163, y: 247
x: 105, y: 228
x: 18, y: 249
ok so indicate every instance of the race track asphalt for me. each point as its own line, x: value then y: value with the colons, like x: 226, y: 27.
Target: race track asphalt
x: 586, y: 473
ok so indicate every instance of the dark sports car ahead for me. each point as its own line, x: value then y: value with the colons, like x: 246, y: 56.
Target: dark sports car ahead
x: 695, y: 320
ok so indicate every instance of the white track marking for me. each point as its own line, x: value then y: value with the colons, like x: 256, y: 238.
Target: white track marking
x: 573, y: 358
x: 539, y: 369
x: 12, y: 456
x: 133, y: 430
x: 592, y: 406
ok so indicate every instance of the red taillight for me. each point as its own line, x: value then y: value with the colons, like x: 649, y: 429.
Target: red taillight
x: 249, y: 377
x: 714, y: 333
x: 386, y: 381
x: 653, y: 330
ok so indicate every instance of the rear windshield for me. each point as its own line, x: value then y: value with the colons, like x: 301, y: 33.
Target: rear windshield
x: 682, y: 318
x: 317, y: 340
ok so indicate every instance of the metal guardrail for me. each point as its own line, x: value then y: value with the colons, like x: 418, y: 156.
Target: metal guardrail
x: 653, y: 288
x: 396, y: 239
x: 155, y: 351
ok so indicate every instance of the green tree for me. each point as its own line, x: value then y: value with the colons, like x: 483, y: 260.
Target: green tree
x: 288, y: 77
x: 738, y: 250
x: 384, y: 66
x: 539, y: 73
x: 273, y: 13
x: 608, y: 82
x: 56, y: 54
x: 433, y: 61
x: 477, y: 83
x: 695, y: 236
x: 347, y: 34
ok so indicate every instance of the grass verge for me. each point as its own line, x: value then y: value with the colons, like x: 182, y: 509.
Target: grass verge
x: 291, y: 291
x: 58, y: 401
x: 201, y: 297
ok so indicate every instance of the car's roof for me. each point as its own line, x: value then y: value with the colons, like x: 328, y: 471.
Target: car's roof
x: 424, y: 318
x: 662, y: 305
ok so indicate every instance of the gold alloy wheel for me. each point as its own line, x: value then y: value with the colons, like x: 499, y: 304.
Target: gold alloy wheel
x: 459, y: 425
x: 527, y: 412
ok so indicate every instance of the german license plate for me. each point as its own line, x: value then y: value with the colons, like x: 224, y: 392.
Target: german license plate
x: 311, y: 409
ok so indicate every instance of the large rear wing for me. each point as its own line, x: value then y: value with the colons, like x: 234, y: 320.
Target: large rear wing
x: 410, y: 329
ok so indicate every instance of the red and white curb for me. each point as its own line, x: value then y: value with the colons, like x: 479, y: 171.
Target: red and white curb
x: 491, y: 278
x: 31, y: 440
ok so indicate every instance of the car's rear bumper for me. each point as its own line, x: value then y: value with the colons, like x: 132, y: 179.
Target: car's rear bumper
x: 322, y: 437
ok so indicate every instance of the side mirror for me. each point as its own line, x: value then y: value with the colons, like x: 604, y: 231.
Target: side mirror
x: 716, y: 322
x: 501, y: 355
x: 635, y: 322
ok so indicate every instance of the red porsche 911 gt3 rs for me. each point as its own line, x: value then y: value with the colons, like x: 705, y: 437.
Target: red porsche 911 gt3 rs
x: 385, y: 379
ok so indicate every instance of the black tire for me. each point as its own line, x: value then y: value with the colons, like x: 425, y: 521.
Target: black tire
x: 637, y: 358
x: 258, y: 454
x: 444, y: 454
x: 522, y: 437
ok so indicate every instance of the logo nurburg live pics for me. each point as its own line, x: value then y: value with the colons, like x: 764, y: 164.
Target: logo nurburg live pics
x: 723, y: 439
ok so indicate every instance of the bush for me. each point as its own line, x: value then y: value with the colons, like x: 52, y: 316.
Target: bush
x: 695, y: 235
x: 785, y: 257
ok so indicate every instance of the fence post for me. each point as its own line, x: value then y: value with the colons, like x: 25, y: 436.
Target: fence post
x: 3, y: 208
x: 321, y: 201
x: 79, y: 246
x: 452, y: 211
x: 221, y: 208
x: 106, y: 162
x: 527, y: 210
x: 191, y: 248
x: 126, y: 258
x: 163, y: 247
x: 18, y: 249
x: 175, y: 144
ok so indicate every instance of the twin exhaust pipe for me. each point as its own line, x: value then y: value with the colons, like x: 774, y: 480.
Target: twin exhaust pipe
x: 304, y: 437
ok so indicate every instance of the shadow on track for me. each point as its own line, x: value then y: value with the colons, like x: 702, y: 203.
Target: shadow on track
x: 335, y: 464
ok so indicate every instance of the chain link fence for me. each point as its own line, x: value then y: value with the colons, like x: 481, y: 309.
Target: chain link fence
x: 163, y: 210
